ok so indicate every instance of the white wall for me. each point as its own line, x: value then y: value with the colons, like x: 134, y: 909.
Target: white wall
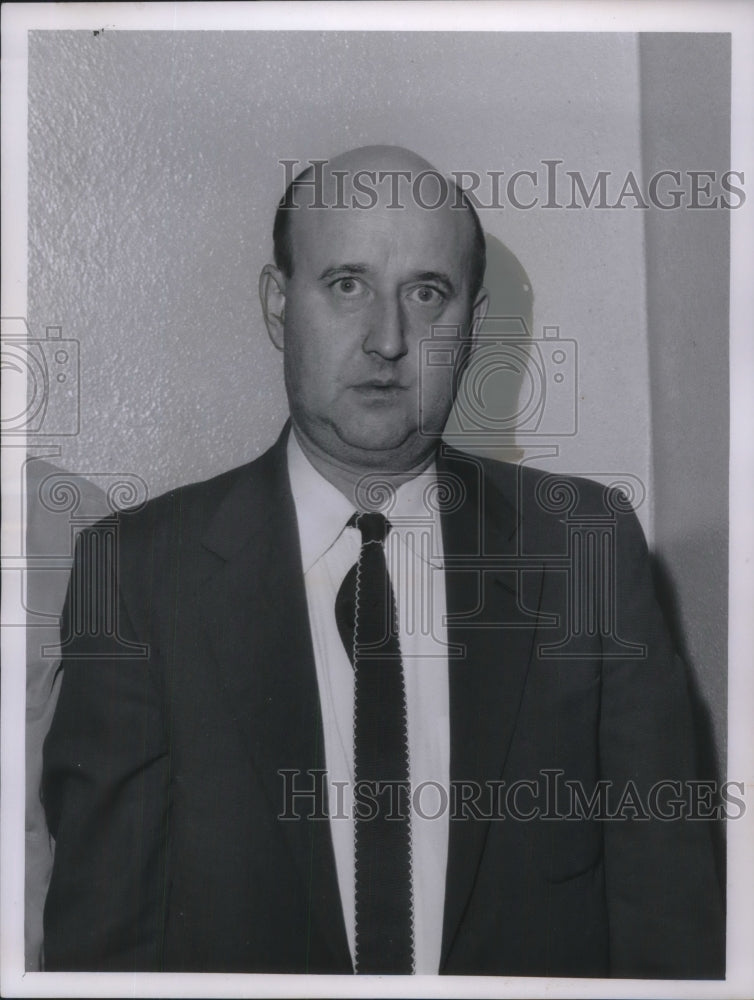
x: 153, y: 179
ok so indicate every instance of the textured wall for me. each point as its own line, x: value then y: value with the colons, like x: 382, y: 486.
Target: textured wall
x: 153, y: 180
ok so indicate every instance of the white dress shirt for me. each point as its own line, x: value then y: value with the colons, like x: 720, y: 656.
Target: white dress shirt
x: 414, y: 557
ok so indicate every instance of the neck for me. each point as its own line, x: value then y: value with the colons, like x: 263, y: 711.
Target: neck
x: 350, y: 479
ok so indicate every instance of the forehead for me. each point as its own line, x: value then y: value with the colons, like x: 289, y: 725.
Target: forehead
x: 391, y: 241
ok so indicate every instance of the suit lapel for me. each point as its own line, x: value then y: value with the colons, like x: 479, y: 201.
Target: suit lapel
x: 491, y: 622
x: 254, y: 605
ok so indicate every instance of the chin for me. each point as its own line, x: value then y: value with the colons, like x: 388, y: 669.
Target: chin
x: 379, y: 445
x: 388, y: 454
x: 381, y: 442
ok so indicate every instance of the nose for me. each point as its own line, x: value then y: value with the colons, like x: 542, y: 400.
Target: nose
x: 386, y: 334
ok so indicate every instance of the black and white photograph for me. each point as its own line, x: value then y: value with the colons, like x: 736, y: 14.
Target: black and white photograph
x: 377, y: 476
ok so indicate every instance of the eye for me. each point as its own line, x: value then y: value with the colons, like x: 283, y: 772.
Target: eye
x: 427, y: 295
x: 348, y: 287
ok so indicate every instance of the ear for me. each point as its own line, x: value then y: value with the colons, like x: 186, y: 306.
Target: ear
x: 272, y: 296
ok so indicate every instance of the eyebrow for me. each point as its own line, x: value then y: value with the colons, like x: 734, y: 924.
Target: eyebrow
x: 439, y: 277
x: 331, y: 272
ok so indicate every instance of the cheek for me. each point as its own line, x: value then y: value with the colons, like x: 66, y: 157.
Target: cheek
x: 313, y: 363
x: 436, y: 389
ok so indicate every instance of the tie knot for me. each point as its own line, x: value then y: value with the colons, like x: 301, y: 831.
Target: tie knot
x: 372, y: 525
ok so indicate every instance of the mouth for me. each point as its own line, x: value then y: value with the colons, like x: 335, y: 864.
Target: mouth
x: 376, y: 389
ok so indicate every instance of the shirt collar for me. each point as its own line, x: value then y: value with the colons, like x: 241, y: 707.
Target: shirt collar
x: 414, y: 514
x: 322, y: 511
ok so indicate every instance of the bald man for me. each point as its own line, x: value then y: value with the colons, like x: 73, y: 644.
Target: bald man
x: 209, y: 800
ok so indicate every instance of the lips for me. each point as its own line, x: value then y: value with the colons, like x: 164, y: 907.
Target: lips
x: 378, y: 384
x: 378, y: 392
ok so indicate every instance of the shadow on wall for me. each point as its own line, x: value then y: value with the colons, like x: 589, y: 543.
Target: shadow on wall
x: 495, y: 394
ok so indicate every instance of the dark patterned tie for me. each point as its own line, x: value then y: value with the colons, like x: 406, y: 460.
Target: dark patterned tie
x: 367, y: 621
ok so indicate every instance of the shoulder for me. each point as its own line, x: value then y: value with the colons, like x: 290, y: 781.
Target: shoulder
x: 173, y: 525
x: 159, y: 551
x: 533, y: 491
x: 548, y: 507
x: 191, y: 499
x: 190, y: 509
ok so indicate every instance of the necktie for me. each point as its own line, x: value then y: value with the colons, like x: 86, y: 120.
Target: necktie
x: 366, y: 616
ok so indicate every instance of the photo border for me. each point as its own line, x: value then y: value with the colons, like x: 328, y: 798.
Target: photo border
x: 542, y: 16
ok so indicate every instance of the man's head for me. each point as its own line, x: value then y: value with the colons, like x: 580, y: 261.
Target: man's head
x: 355, y: 292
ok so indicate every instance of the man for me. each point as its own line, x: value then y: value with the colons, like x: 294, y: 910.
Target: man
x: 367, y: 606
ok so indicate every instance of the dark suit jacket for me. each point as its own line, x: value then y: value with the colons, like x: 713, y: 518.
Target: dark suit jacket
x: 162, y: 784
